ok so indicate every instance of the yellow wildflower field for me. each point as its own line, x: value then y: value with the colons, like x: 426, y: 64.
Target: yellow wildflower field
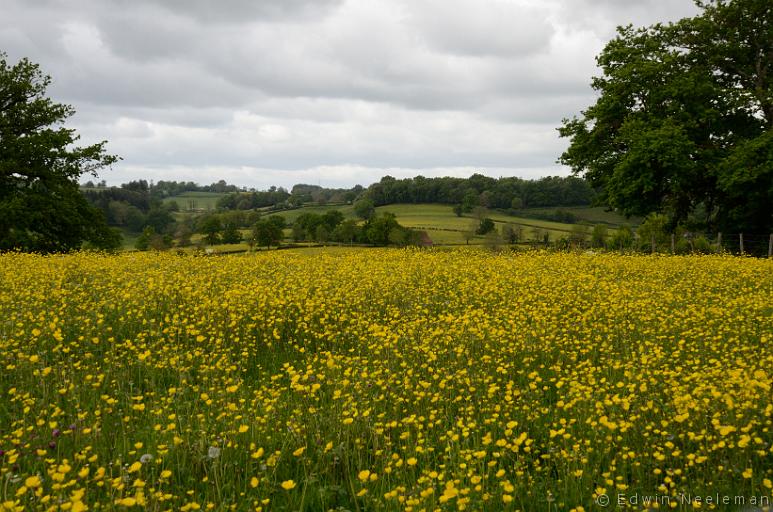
x: 384, y: 380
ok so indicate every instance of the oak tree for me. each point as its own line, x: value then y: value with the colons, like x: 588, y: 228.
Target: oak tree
x: 41, y: 206
x: 683, y: 123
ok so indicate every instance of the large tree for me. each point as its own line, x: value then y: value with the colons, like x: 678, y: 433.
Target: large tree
x: 683, y: 124
x: 41, y: 207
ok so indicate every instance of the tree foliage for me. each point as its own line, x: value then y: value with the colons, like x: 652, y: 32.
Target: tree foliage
x: 485, y: 226
x: 268, y: 231
x: 41, y: 207
x: 684, y: 118
x: 231, y: 233
x: 364, y: 208
x: 480, y: 190
x: 210, y: 227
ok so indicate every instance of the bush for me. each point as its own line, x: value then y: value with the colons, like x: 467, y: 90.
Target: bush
x: 621, y: 240
x: 579, y: 235
x: 654, y: 227
x: 702, y: 245
x: 143, y: 242
x: 511, y: 234
x: 485, y: 227
x: 598, y: 237
x: 231, y: 234
x: 682, y: 245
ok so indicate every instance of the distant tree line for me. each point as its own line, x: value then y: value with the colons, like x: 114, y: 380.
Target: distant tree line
x: 162, y: 189
x: 467, y: 193
x: 144, y: 208
x: 479, y: 190
x: 254, y: 199
x: 304, y: 194
x: 280, y: 198
x: 133, y: 206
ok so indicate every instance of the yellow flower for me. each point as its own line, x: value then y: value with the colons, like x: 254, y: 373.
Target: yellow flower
x: 723, y: 431
x: 78, y: 506
x: 431, y: 353
x: 32, y: 482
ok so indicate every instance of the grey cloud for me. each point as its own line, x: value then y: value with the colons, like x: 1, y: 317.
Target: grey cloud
x: 237, y: 11
x: 144, y: 34
x: 603, y: 16
x: 230, y: 11
x: 344, y: 87
x: 469, y: 27
x: 538, y: 110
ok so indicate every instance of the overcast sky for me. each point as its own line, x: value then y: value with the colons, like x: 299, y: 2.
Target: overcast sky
x: 330, y: 92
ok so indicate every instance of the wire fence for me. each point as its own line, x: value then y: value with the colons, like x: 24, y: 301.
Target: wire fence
x: 746, y: 243
x: 752, y: 244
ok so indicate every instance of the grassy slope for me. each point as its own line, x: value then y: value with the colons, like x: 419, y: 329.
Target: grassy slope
x: 444, y: 226
x: 592, y: 215
x: 440, y: 222
x: 291, y: 215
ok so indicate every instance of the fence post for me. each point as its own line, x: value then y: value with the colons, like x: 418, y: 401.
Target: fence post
x: 719, y: 242
x: 740, y: 238
x: 673, y: 243
x: 652, y: 243
x: 770, y: 246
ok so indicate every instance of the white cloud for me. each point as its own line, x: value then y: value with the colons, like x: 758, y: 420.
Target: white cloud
x: 339, y: 92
